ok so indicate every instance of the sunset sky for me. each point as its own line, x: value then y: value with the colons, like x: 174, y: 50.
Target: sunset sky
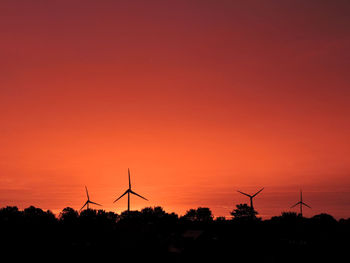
x: 198, y: 98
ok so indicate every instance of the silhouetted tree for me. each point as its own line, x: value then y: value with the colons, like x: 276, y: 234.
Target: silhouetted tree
x: 220, y: 219
x: 68, y: 216
x: 324, y: 219
x: 190, y: 215
x: 131, y: 216
x: 289, y: 215
x: 173, y: 216
x: 106, y: 217
x: 201, y: 214
x: 153, y: 214
x: 113, y: 217
x: 287, y: 218
x: 204, y: 214
x: 157, y: 214
x: 344, y: 221
x: 35, y: 215
x: 244, y: 212
x: 88, y: 214
x: 10, y: 214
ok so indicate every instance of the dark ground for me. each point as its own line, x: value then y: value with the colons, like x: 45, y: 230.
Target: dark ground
x: 100, y: 236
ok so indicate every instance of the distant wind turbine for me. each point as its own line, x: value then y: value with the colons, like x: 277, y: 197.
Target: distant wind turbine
x: 301, y: 203
x: 88, y: 201
x: 251, y: 196
x: 129, y: 191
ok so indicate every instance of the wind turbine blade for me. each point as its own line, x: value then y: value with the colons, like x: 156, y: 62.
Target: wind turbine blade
x: 87, y: 193
x: 243, y: 193
x: 306, y: 205
x: 84, y: 206
x: 295, y: 205
x: 121, y: 196
x: 129, y: 178
x: 94, y: 203
x: 138, y: 195
x: 258, y: 192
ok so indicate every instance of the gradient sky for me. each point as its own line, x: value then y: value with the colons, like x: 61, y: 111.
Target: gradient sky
x: 198, y: 98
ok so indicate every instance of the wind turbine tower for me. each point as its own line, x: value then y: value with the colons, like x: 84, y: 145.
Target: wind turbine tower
x: 129, y: 191
x: 88, y: 201
x: 301, y: 203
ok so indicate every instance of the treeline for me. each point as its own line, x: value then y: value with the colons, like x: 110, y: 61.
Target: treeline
x: 242, y: 212
x: 153, y: 234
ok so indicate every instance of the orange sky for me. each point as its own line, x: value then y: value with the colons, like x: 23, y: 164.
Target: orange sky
x: 198, y: 98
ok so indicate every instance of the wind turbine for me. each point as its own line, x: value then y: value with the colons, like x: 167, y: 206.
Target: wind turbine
x: 251, y: 196
x: 129, y: 191
x: 88, y: 201
x: 301, y: 203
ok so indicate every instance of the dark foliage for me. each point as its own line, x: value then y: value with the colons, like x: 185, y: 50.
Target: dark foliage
x: 201, y: 214
x: 244, y: 212
x: 157, y: 236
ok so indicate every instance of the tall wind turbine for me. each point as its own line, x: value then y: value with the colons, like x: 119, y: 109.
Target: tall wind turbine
x: 301, y: 203
x: 251, y: 196
x: 88, y: 201
x: 129, y: 191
